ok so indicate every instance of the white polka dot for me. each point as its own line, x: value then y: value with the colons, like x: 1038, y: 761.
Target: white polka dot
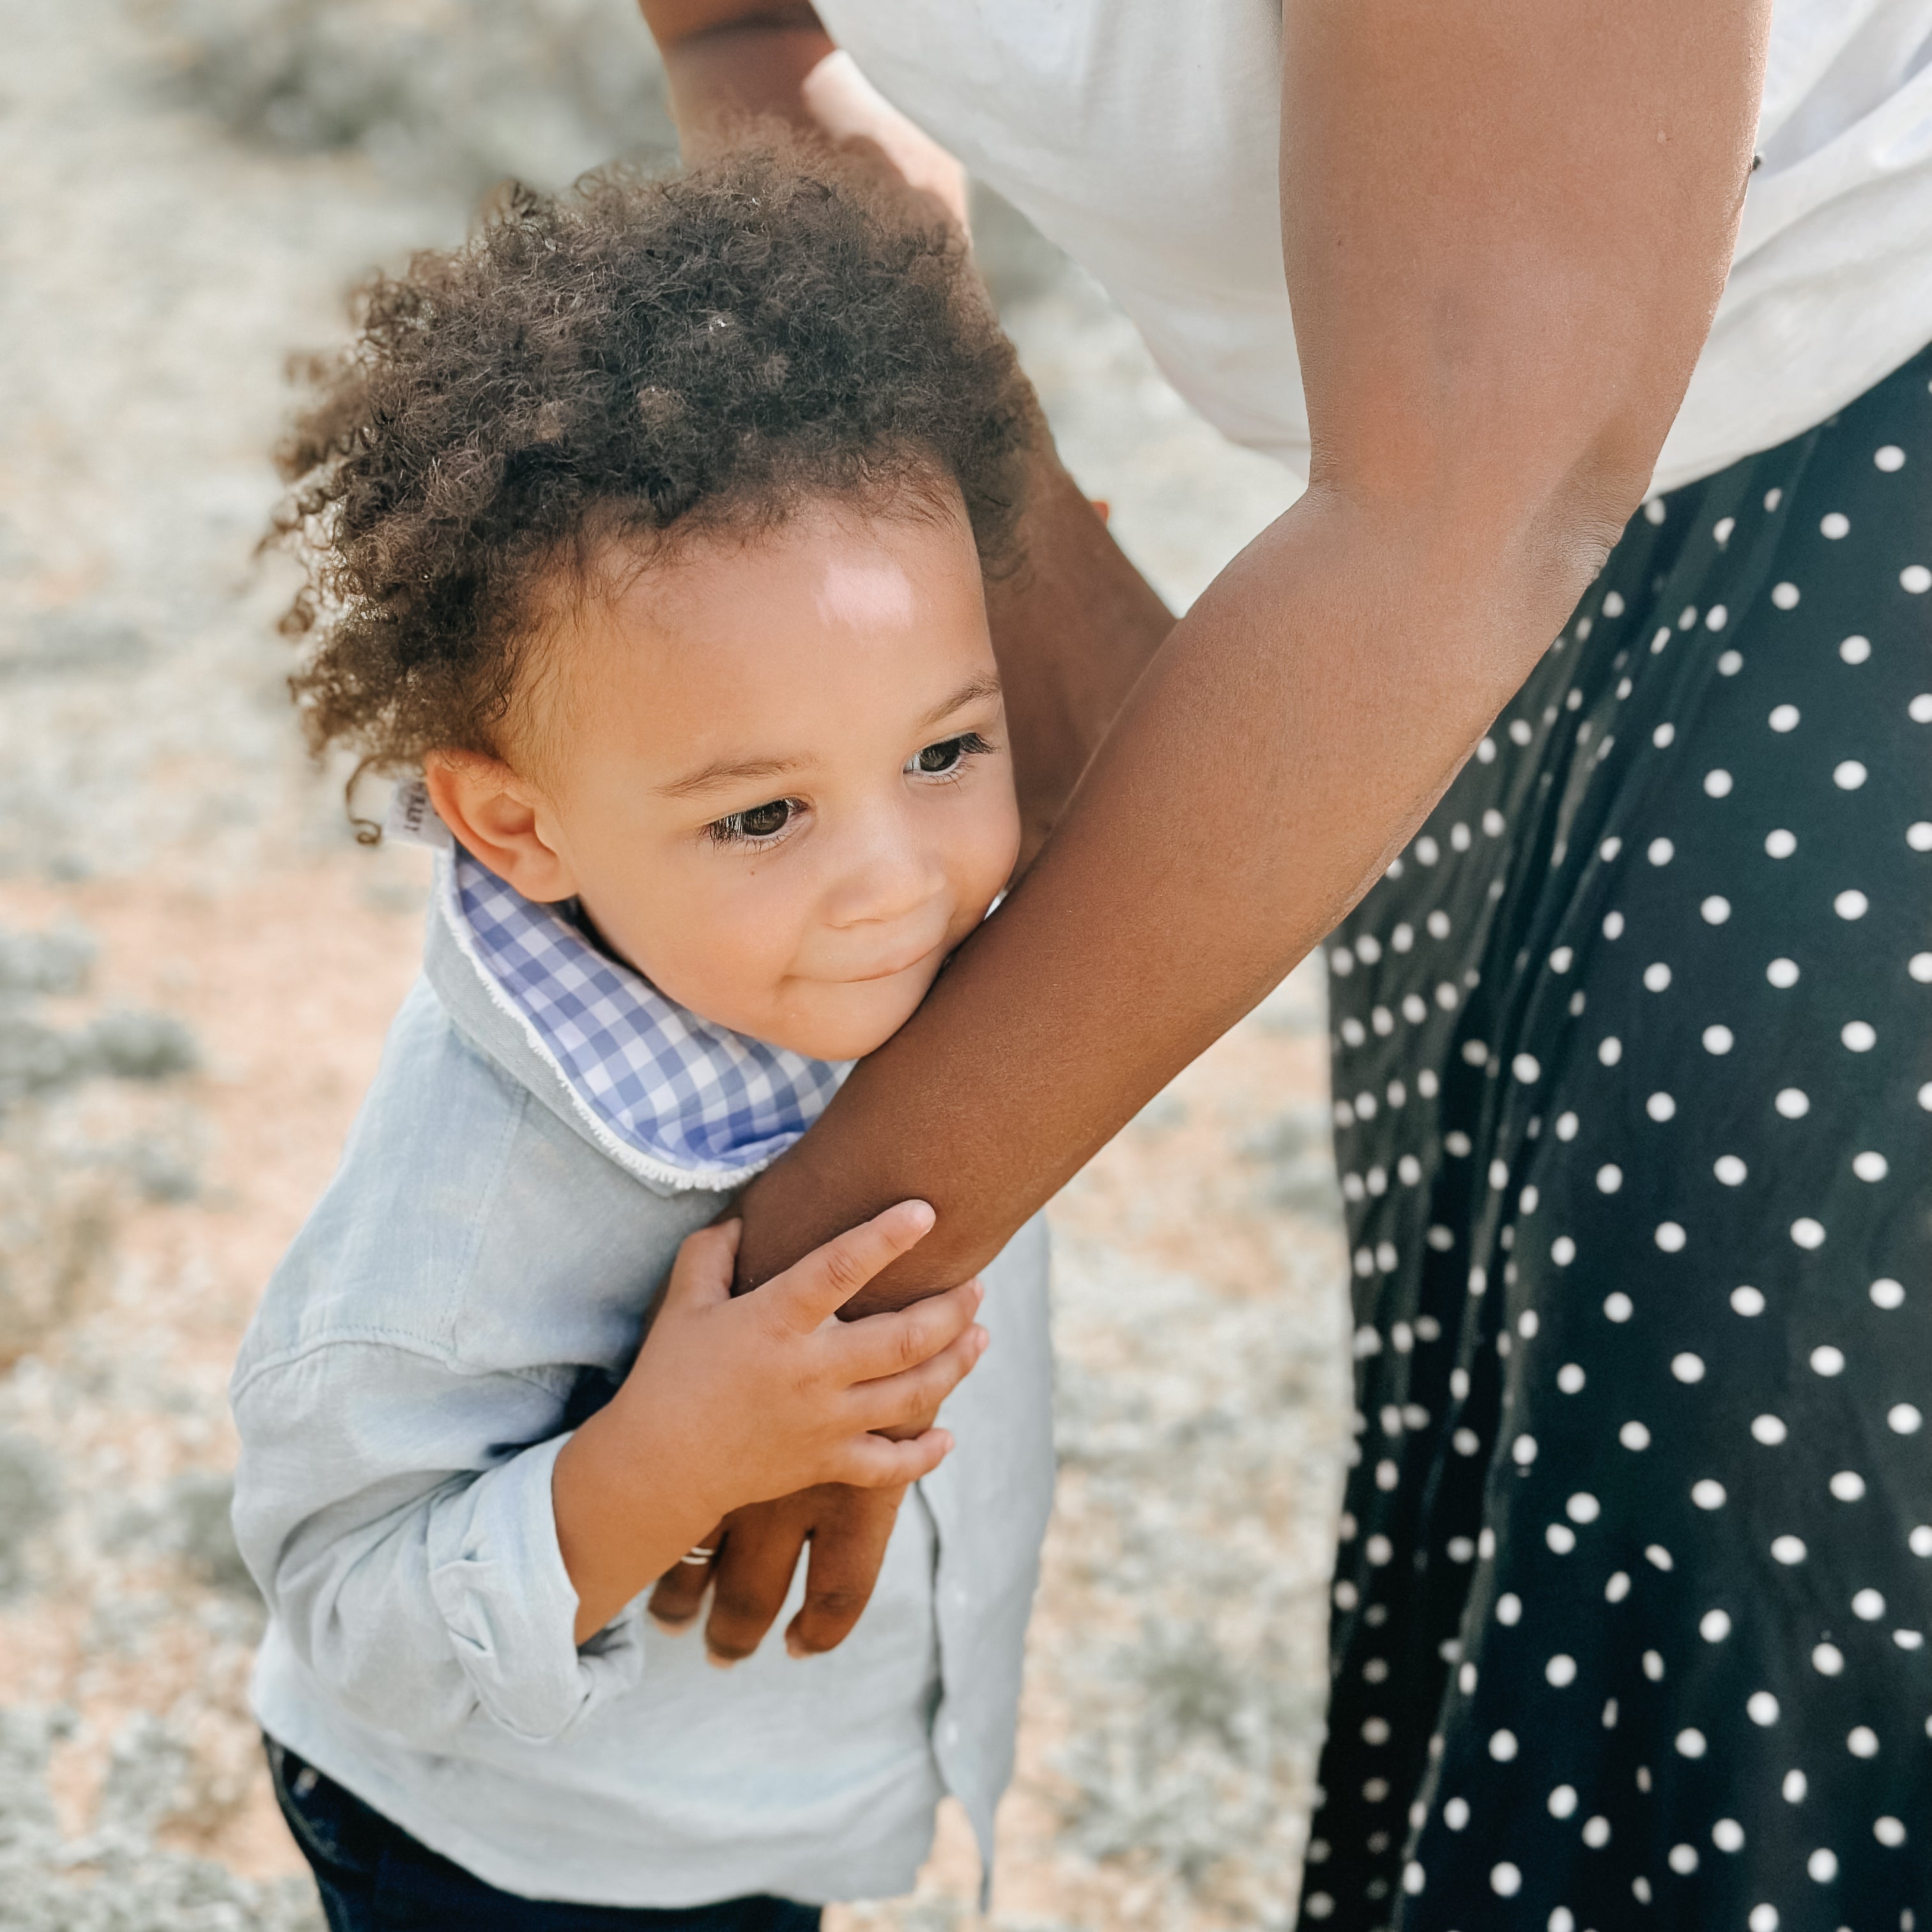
x: 1886, y: 1293
x: 1748, y: 1300
x: 1848, y: 775
x: 1788, y: 1549
x: 1522, y: 1451
x: 1783, y: 974
x: 1920, y: 1541
x: 1618, y: 1588
x: 1903, y: 1419
x: 1793, y: 1102
x: 1716, y: 909
x: 1719, y: 1040
x: 1502, y: 1746
x: 1670, y: 1237
x: 1688, y: 1367
x: 1856, y: 650
x: 1920, y: 965
x: 1618, y: 1306
x: 1925, y: 1096
x: 1714, y: 1626
x: 1375, y: 1731
x: 1690, y: 1742
x: 1823, y: 1865
x: 1717, y: 784
x: 1560, y: 1671
x: 1687, y: 618
x: 1768, y: 1430
x: 1461, y: 1549
x: 1653, y: 513
x: 1780, y: 844
x: 1920, y: 709
x: 1613, y: 922
x: 1664, y: 736
x: 1509, y: 1608
x: 1611, y: 1051
x: 1563, y: 1251
x: 1870, y: 1165
x: 1793, y: 1789
x: 1889, y: 457
x: 1567, y: 1124
x: 1761, y: 1707
x: 1412, y: 1879
x: 1916, y: 578
x: 1859, y: 1035
x: 1862, y: 1741
x: 1378, y: 1549
x: 1730, y: 663
x: 1784, y: 718
x: 1729, y: 1169
x: 1785, y: 596
x: 1708, y: 1494
x: 1763, y: 1918
x: 1318, y: 1905
x: 1596, y: 1833
x: 1808, y: 1233
x: 1825, y: 1360
x: 1634, y: 1435
x: 1867, y: 1606
x: 1656, y: 976
x: 1505, y: 1881
x: 1848, y: 1486
x: 1918, y: 836
x: 1609, y: 1177
x: 1525, y: 1067
x: 1570, y: 1378
x: 1466, y: 1441
x: 1851, y: 904
x: 1494, y: 824
x: 1827, y: 1659
x: 1456, y: 1143
x: 1835, y: 524
x: 1728, y: 1835
x: 1659, y: 851
x: 1583, y: 1508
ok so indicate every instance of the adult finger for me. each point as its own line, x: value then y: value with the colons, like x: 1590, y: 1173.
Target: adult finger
x: 890, y: 1462
x: 882, y: 1345
x: 848, y: 1544
x: 753, y: 1575
x: 912, y: 1396
x: 678, y: 1594
x: 810, y: 1291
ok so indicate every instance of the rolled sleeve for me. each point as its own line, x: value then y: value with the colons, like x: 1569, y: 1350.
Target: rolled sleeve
x: 498, y: 1579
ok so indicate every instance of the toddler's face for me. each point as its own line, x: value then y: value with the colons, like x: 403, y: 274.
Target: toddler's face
x: 774, y: 770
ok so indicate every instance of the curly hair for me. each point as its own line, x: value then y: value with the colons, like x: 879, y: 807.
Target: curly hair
x: 636, y: 362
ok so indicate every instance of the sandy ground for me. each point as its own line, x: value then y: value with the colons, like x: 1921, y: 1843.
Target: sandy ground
x: 196, y: 966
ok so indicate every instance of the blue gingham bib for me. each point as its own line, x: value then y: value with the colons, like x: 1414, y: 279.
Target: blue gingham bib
x: 710, y: 1105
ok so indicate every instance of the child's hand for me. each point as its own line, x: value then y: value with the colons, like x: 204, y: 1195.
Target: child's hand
x: 736, y: 1402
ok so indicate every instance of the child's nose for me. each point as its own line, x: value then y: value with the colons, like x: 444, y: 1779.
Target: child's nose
x: 891, y: 874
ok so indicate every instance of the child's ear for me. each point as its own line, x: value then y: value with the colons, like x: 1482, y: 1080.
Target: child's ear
x: 501, y: 820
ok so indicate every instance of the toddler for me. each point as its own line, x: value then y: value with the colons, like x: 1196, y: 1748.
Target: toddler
x: 645, y: 536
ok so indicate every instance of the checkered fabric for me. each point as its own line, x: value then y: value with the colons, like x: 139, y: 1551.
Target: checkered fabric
x: 694, y: 1096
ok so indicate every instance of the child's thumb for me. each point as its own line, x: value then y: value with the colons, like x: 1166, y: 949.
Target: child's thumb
x: 701, y: 1275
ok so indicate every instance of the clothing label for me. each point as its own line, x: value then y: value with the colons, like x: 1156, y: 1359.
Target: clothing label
x: 412, y: 819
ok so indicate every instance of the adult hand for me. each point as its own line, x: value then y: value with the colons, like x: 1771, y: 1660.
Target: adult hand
x: 756, y: 1551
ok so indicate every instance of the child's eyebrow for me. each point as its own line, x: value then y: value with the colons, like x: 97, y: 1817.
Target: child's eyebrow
x: 984, y: 684
x: 728, y: 771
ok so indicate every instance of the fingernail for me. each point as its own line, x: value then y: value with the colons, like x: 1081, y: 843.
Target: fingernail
x: 980, y: 1340
x: 671, y: 1627
x: 718, y: 1663
x: 922, y: 1213
x: 795, y: 1645
x: 979, y: 1292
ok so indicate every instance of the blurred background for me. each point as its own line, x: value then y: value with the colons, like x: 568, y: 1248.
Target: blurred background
x: 196, y: 966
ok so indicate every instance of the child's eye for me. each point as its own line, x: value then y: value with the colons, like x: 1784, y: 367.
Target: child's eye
x: 758, y: 822
x: 948, y: 755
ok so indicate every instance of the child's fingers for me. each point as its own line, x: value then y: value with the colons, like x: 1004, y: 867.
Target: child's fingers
x: 702, y: 1272
x: 679, y: 1594
x: 848, y: 1544
x: 810, y: 1291
x: 882, y: 1345
x: 915, y: 1393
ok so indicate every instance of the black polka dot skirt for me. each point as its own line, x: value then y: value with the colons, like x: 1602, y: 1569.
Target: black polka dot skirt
x: 1633, y: 1104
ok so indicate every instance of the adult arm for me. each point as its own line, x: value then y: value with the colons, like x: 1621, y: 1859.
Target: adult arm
x: 1506, y: 225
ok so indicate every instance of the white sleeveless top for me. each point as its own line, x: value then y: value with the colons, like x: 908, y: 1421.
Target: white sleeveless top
x: 1142, y: 137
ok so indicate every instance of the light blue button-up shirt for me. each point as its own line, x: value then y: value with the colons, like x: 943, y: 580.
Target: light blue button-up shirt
x: 481, y: 1269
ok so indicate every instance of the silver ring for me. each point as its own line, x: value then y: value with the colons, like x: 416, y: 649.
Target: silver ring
x: 698, y: 1553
